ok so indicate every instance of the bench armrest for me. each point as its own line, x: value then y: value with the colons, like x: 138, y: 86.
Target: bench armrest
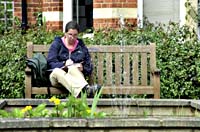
x: 28, y: 71
x: 155, y: 72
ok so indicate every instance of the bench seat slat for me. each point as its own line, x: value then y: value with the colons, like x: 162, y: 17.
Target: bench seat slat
x: 44, y: 90
x: 106, y: 90
x: 128, y: 90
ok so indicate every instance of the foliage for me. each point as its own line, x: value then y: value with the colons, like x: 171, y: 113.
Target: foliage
x: 13, y: 58
x: 177, y: 55
x: 73, y: 107
x: 177, y: 50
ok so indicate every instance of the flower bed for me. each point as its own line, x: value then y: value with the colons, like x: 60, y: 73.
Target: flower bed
x: 122, y: 115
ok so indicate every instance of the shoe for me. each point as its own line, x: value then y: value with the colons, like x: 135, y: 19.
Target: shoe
x: 91, y: 90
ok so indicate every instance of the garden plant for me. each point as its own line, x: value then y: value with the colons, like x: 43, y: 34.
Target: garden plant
x: 73, y: 107
x: 177, y: 49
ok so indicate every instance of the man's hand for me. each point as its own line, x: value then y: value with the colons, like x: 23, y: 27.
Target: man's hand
x: 69, y: 63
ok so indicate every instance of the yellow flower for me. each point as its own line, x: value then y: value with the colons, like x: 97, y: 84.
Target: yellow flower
x: 56, y: 101
x: 23, y: 110
x: 52, y: 99
x: 27, y: 108
x: 88, y: 111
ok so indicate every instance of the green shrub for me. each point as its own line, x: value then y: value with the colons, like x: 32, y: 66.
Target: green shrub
x: 178, y: 56
x: 73, y: 107
x: 177, y: 50
x: 13, y: 58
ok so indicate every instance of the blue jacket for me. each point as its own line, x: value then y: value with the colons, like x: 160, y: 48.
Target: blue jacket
x: 58, y: 53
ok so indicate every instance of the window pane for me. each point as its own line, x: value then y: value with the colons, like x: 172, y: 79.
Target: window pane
x: 6, y: 14
x: 162, y: 10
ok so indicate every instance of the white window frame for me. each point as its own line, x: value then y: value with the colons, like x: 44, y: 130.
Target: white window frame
x: 140, y: 12
x: 5, y: 19
x: 67, y: 12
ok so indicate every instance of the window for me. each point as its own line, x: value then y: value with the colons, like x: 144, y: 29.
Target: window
x: 83, y: 13
x: 6, y: 14
x: 162, y: 11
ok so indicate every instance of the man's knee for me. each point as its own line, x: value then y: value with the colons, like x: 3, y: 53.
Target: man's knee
x: 58, y: 72
x: 54, y: 76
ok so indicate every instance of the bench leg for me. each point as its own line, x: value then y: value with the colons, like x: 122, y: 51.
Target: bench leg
x: 28, y: 86
x: 156, y: 87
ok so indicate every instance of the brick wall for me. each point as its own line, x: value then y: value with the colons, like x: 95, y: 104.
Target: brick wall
x: 34, y: 6
x: 52, y: 8
x: 17, y: 8
x: 106, y: 13
x: 103, y: 17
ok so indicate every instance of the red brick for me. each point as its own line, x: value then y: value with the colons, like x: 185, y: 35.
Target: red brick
x: 127, y: 5
x: 98, y: 1
x: 97, y: 5
x: 113, y: 23
x: 57, y: 5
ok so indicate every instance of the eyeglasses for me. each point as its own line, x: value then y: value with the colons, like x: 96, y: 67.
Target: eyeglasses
x: 73, y: 35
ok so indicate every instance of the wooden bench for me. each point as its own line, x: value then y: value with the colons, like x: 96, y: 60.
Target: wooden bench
x: 121, y: 70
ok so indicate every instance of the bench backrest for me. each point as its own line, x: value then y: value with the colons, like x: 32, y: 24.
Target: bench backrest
x: 120, y: 69
x: 129, y: 65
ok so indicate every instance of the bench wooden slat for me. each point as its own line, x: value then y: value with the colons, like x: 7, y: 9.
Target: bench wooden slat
x: 108, y: 69
x: 128, y: 90
x: 135, y: 69
x: 143, y: 69
x: 106, y: 90
x: 93, y: 77
x: 126, y: 69
x: 41, y: 48
x: 120, y: 69
x: 44, y: 90
x: 104, y: 48
x: 117, y: 69
x: 120, y: 49
x: 100, y: 58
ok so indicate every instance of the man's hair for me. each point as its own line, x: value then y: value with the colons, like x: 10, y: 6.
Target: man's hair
x: 72, y: 25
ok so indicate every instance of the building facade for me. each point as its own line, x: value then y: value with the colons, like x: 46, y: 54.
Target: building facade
x: 89, y: 13
x: 100, y: 13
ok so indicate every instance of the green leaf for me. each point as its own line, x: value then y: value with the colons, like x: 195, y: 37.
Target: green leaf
x: 94, y: 103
